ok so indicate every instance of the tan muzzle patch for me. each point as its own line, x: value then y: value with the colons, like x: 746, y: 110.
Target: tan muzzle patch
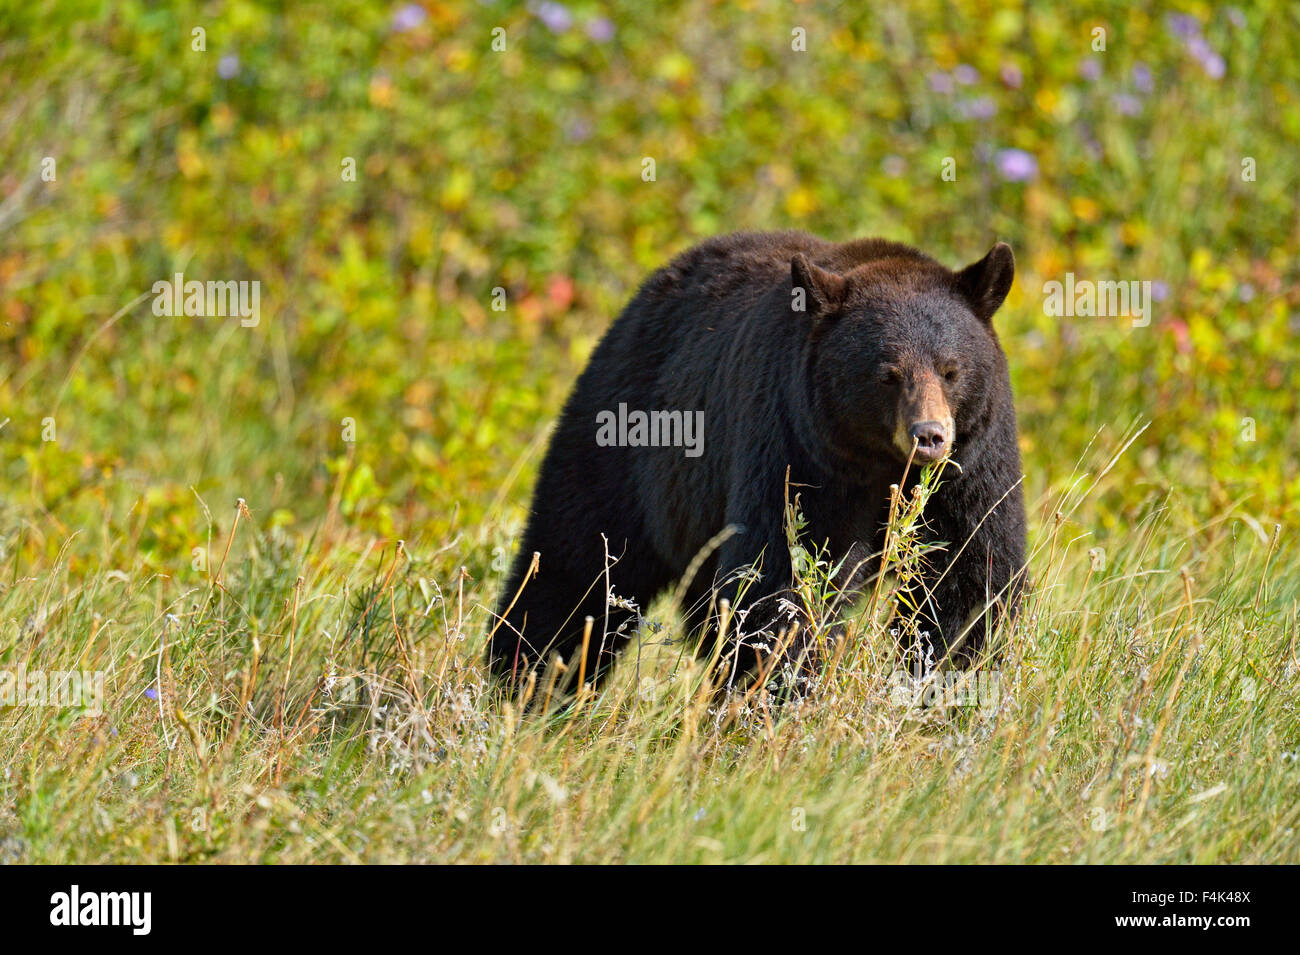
x: 925, y: 420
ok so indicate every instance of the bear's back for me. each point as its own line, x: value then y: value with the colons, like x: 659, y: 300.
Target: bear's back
x: 706, y: 308
x: 739, y: 268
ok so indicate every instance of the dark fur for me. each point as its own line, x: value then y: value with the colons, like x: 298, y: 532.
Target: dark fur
x: 714, y: 330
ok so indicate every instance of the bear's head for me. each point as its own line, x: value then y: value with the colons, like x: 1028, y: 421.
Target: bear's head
x: 903, y: 357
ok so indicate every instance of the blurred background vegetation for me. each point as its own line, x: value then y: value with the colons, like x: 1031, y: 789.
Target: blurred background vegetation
x: 522, y: 169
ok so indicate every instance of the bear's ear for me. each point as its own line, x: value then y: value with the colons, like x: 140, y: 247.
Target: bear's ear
x: 823, y: 290
x: 986, y: 283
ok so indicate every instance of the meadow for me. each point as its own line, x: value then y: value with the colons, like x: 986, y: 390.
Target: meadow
x: 277, y: 542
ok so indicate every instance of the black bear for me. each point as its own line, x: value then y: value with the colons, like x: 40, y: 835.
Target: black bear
x: 748, y: 358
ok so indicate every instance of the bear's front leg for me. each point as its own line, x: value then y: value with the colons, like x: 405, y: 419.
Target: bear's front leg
x: 765, y: 632
x: 973, y: 585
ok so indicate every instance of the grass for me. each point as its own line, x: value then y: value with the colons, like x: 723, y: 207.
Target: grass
x: 320, y: 698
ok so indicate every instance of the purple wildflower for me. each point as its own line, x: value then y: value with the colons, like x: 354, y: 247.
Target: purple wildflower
x: 1011, y: 76
x: 1127, y: 104
x: 408, y: 17
x: 601, y: 29
x: 977, y: 107
x: 941, y: 82
x: 228, y: 66
x: 1183, y: 25
x: 556, y: 16
x: 1207, y: 56
x: 1016, y: 165
x: 966, y: 75
x: 151, y: 693
x: 579, y: 131
x: 1143, y: 79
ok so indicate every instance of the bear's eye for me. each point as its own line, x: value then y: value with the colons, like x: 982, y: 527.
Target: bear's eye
x: 890, y: 375
x: 950, y: 374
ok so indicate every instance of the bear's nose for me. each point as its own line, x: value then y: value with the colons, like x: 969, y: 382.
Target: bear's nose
x: 931, y: 440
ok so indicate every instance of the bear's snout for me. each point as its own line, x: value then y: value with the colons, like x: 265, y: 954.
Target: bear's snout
x: 924, y: 430
x: 931, y: 439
